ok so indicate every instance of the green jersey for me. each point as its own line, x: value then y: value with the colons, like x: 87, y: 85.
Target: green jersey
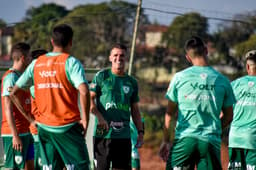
x: 114, y: 96
x: 200, y: 93
x: 243, y: 127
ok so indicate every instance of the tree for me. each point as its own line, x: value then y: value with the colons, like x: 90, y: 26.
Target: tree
x: 245, y: 46
x: 184, y: 27
x: 2, y: 23
x: 38, y: 23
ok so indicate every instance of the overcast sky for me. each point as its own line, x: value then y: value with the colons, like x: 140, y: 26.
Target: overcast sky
x: 13, y: 11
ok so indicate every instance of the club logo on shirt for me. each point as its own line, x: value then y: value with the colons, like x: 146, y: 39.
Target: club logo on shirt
x: 18, y: 159
x: 203, y: 76
x: 126, y: 89
x: 250, y: 83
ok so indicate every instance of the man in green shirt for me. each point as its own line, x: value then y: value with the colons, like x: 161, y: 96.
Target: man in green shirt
x: 242, y: 135
x: 198, y: 93
x: 114, y: 98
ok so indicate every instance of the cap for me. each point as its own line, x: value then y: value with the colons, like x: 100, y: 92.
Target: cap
x: 251, y: 55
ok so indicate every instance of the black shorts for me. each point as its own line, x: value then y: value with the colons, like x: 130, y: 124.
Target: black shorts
x: 116, y: 152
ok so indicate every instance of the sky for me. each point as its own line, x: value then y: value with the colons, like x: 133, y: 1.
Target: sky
x: 160, y: 11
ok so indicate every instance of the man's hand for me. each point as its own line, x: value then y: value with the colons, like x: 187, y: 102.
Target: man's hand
x: 164, y: 150
x: 83, y: 123
x: 102, y: 123
x: 140, y: 140
x: 17, y: 143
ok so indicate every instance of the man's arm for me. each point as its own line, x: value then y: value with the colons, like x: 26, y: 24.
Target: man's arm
x: 16, y: 141
x: 138, y: 123
x: 102, y: 123
x: 169, y: 115
x: 84, y: 95
x: 17, y: 103
x: 227, y: 116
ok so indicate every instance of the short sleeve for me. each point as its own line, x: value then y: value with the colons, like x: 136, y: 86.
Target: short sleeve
x: 75, y: 72
x: 171, y: 93
x: 27, y: 78
x: 8, y: 83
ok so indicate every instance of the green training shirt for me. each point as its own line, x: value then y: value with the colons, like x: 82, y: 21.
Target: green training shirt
x: 200, y: 93
x: 243, y: 127
x: 114, y: 96
x: 75, y: 74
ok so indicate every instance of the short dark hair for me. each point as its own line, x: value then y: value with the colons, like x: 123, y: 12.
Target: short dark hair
x: 251, y: 55
x: 62, y: 34
x: 197, y: 44
x: 36, y: 53
x: 20, y: 49
x: 119, y: 46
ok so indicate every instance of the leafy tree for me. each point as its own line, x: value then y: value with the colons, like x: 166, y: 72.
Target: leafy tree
x: 2, y: 23
x: 245, y: 46
x: 184, y: 27
x: 37, y: 25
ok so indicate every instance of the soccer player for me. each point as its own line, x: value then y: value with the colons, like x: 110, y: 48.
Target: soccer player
x: 199, y: 93
x: 242, y: 135
x: 58, y: 78
x: 114, y: 98
x: 15, y: 128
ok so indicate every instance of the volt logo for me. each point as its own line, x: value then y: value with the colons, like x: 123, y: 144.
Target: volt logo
x: 47, y: 73
x: 202, y: 86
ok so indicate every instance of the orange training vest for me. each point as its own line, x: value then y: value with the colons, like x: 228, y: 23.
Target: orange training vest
x: 21, y: 122
x: 56, y: 98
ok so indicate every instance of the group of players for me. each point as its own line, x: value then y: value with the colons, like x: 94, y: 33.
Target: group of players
x: 46, y: 105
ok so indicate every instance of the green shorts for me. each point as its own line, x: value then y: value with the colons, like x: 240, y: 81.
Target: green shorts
x: 13, y: 158
x: 188, y: 152
x: 242, y: 159
x: 64, y: 149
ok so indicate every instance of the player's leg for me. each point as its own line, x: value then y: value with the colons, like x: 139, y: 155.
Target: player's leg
x: 101, y: 153
x: 121, y: 154
x: 250, y: 158
x: 50, y: 158
x: 182, y: 154
x: 72, y: 148
x: 209, y: 156
x: 236, y: 158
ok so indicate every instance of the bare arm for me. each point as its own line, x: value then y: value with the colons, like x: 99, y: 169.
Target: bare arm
x: 169, y: 115
x: 101, y: 121
x: 84, y: 96
x: 227, y: 116
x: 16, y: 141
x: 17, y: 103
x: 138, y: 123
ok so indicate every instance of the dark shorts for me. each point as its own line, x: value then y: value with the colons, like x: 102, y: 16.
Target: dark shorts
x: 188, y: 152
x: 114, y: 152
x: 242, y: 158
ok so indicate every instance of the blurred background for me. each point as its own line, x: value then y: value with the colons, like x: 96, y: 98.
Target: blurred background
x: 227, y: 27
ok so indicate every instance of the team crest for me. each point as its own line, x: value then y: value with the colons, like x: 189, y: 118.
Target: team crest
x: 250, y: 83
x: 126, y: 89
x: 203, y: 76
x: 18, y: 159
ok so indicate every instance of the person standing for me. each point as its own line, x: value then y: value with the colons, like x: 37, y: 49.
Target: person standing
x: 114, y: 98
x: 242, y: 135
x: 59, y: 80
x: 15, y: 128
x: 199, y: 93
